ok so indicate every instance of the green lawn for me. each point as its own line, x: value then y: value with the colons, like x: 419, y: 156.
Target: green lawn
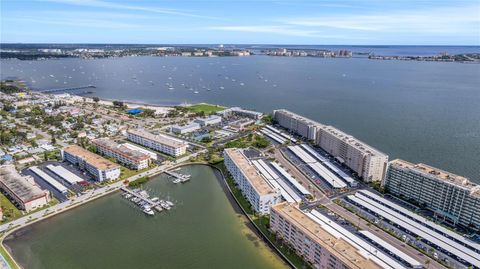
x: 262, y: 222
x: 10, y: 212
x: 207, y: 108
x: 257, y: 141
x: 7, y: 257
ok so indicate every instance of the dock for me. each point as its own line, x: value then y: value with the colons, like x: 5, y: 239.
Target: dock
x: 68, y: 89
x: 179, y: 177
x: 147, y: 200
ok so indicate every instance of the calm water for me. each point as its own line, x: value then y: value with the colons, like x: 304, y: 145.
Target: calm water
x: 204, y: 231
x: 419, y: 111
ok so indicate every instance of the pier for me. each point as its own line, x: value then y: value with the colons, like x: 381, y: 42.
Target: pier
x: 147, y: 200
x: 179, y: 177
x: 68, y: 89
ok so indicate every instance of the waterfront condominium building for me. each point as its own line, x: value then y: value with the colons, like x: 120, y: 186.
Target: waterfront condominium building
x: 22, y: 190
x: 451, y: 197
x: 160, y: 142
x: 368, y: 162
x: 100, y: 168
x: 318, y: 243
x: 237, y: 111
x: 131, y: 158
x: 258, y: 192
x: 296, y: 123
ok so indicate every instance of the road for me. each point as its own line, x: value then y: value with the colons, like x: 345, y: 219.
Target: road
x: 349, y: 216
x: 89, y: 196
x: 293, y: 170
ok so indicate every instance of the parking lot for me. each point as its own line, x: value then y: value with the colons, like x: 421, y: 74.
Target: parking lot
x: 406, y: 236
x: 77, y: 188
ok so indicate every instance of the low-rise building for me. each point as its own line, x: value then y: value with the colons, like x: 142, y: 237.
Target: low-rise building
x: 160, y: 142
x: 131, y: 158
x: 100, y: 168
x: 241, y: 124
x: 22, y: 190
x: 237, y: 111
x: 451, y: 197
x: 257, y: 191
x: 184, y: 129
x: 210, y: 120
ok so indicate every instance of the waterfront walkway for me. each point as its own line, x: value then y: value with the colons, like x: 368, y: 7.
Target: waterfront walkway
x: 87, y: 197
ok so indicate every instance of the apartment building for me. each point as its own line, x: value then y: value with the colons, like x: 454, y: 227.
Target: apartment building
x: 237, y: 111
x: 318, y: 244
x: 131, y: 158
x: 22, y: 190
x: 185, y: 129
x: 258, y: 192
x: 296, y: 123
x: 100, y: 168
x: 160, y: 142
x: 368, y: 162
x: 452, y: 198
x: 210, y: 120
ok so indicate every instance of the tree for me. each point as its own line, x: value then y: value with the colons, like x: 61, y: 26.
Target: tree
x: 118, y: 104
x: 148, y: 112
x: 96, y: 99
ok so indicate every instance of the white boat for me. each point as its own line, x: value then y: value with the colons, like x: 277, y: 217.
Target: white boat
x: 177, y: 180
x: 169, y: 203
x: 155, y: 199
x: 149, y: 212
x: 195, y: 92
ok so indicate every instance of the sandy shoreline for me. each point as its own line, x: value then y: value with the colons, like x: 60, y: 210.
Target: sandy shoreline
x: 107, y: 102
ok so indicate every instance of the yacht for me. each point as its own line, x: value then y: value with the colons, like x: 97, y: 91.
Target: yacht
x: 148, y: 211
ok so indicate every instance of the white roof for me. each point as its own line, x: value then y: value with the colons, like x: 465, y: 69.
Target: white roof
x: 416, y: 228
x: 288, y: 194
x: 322, y: 171
x: 327, y: 163
x: 421, y: 219
x: 50, y: 180
x: 292, y: 181
x: 414, y: 263
x: 364, y: 248
x: 70, y: 177
x: 275, y: 130
x: 273, y: 136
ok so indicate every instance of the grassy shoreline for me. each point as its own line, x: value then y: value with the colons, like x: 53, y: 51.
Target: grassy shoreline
x: 261, y: 223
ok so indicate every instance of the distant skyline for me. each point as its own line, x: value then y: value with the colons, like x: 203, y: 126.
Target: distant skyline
x: 242, y: 22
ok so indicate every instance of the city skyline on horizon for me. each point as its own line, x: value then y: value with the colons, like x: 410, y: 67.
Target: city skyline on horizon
x: 354, y: 23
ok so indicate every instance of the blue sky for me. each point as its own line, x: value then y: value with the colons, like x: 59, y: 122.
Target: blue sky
x: 393, y: 22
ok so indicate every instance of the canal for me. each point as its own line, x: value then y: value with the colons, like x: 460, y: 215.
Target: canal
x: 205, y: 230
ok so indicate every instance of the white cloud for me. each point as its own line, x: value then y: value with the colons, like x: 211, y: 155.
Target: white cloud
x: 435, y: 20
x: 112, y: 5
x: 272, y: 29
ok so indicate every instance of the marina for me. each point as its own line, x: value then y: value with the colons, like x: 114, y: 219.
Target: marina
x: 171, y: 239
x: 179, y: 178
x: 143, y: 200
